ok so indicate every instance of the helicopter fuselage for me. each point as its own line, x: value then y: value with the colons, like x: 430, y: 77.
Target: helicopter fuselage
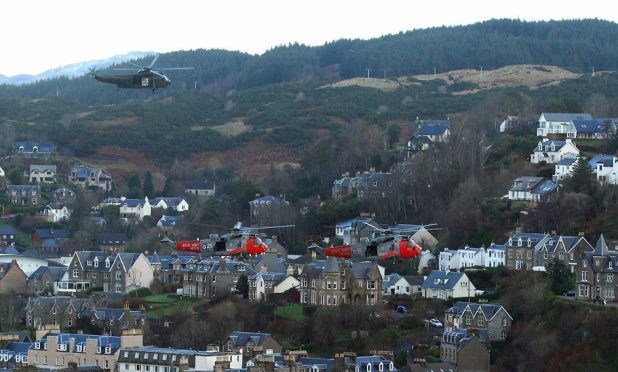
x: 140, y: 80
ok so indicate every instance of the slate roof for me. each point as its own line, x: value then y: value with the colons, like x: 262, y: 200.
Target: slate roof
x: 45, y: 304
x: 133, y: 203
x: 525, y: 183
x: 588, y: 126
x: 567, y: 161
x: 106, y: 314
x: 415, y: 280
x: 170, y: 201
x: 606, y: 160
x: 535, y: 238
x: 564, y: 117
x: 545, y: 187
x: 52, y: 234
x: 43, y: 147
x: 442, y: 280
x: 9, y: 250
x: 433, y: 127
x: 488, y: 310
x: 390, y: 280
x: 460, y: 336
x: 80, y: 339
x: 63, y: 193
x: 42, y: 168
x: 272, y: 262
x: 321, y: 363
x: 270, y: 277
x: 112, y: 238
x: 199, y: 185
x: 241, y: 338
x: 332, y: 265
x: 7, y: 230
x: 268, y: 199
x: 169, y: 220
x: 56, y: 273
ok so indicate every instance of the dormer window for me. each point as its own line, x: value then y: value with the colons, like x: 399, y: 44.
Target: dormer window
x: 381, y: 367
x: 510, y: 241
x: 529, y: 242
x: 108, y: 349
x: 89, y: 263
x: 519, y: 242
x: 96, y: 262
x: 107, y: 263
x: 610, y: 264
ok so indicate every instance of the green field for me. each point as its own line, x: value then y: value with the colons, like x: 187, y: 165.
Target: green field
x: 293, y: 312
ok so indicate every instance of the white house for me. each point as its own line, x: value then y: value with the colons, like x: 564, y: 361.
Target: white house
x: 1, y: 172
x: 135, y: 208
x: 55, y: 213
x: 426, y: 261
x: 447, y: 284
x: 605, y: 167
x: 553, y: 151
x: 176, y: 203
x: 41, y: 173
x: 262, y: 284
x: 557, y: 123
x: 395, y: 285
x: 140, y: 273
x: 435, y: 130
x: 532, y: 189
x: 592, y: 129
x: 563, y: 169
x: 492, y: 256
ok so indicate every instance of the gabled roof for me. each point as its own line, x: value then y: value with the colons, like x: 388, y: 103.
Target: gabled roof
x: 272, y: 262
x: 269, y: 277
x: 606, y: 160
x: 28, y: 146
x: 170, y: 201
x: 241, y: 338
x: 442, y: 279
x: 41, y: 168
x: 565, y: 117
x: 525, y: 183
x: 535, y: 238
x: 133, y: 203
x: 567, y: 161
x: 488, y: 310
x: 268, y: 199
x: 601, y: 248
x: 332, y: 265
x: 545, y: 187
x: 433, y: 127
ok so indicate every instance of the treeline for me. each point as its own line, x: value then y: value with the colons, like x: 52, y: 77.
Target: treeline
x: 579, y: 45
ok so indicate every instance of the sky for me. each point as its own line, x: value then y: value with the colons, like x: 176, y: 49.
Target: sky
x: 37, y: 35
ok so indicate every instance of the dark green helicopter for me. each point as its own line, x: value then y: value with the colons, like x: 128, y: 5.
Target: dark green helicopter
x: 144, y: 78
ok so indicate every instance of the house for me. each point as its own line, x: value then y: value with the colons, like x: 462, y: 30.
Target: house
x: 168, y: 269
x: 14, y: 356
x: 356, y: 229
x: 55, y: 213
x: 117, y: 272
x: 513, y: 123
x: 2, y: 174
x: 532, y: 189
x: 492, y: 318
x: 114, y: 321
x: 7, y: 235
x: 45, y: 279
x: 158, y: 359
x: 26, y: 263
x: 32, y: 148
x: 213, y: 277
x: 135, y: 208
x: 63, y: 195
x: 176, y: 203
x: 395, y: 285
x: 247, y: 343
x: 567, y: 249
x: 435, y: 130
x: 41, y: 174
x: 557, y: 123
x: 270, y: 211
x: 592, y: 129
x: 264, y: 284
x: 13, y: 280
x: 551, y: 151
x: 596, y: 273
x: 23, y: 194
x: 86, y: 176
x: 66, y: 349
x: 521, y: 249
x: 605, y: 168
x: 446, y: 285
x: 200, y: 188
x: 492, y: 256
x: 370, y: 185
x: 333, y: 282
x: 112, y: 242
x: 49, y: 239
x: 419, y: 233
x: 167, y: 223
x: 465, y: 350
x: 426, y: 262
x: 564, y: 169
x: 416, y: 144
x: 59, y: 311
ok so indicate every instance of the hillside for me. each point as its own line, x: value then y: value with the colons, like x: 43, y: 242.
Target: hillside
x: 577, y: 45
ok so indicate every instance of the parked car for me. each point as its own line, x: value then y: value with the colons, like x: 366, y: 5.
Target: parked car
x: 402, y: 309
x: 570, y: 293
x: 435, y: 322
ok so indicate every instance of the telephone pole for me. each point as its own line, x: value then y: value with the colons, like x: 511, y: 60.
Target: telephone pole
x: 368, y: 71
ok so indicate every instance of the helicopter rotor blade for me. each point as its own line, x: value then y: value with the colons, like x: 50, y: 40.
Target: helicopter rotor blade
x: 374, y: 227
x: 175, y: 68
x: 126, y: 69
x: 154, y: 60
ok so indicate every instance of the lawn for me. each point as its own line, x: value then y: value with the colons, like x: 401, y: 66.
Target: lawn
x: 293, y: 312
x: 163, y: 305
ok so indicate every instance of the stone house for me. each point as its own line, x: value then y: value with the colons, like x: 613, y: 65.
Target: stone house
x: 332, y: 282
x: 264, y: 284
x: 112, y: 242
x: 213, y: 277
x: 60, y: 350
x: 59, y: 311
x: 465, y: 350
x: 568, y: 249
x: 248, y: 343
x: 492, y: 318
x: 13, y: 280
x: 41, y: 173
x: 45, y: 279
x: 596, y: 273
x: 90, y: 176
x: 7, y: 235
x: 23, y: 194
x: 521, y: 249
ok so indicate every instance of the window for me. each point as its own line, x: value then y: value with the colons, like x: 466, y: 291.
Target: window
x: 584, y: 276
x: 504, y: 322
x: 583, y: 290
x: 75, y: 273
x: 610, y: 278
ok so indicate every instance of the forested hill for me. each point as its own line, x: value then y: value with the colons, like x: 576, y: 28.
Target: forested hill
x: 578, y: 45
